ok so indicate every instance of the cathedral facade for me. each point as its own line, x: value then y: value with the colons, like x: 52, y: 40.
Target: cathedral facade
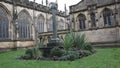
x: 22, y: 20
x: 99, y: 20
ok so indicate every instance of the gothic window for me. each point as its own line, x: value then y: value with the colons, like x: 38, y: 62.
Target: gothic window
x: 4, y: 24
x: 60, y: 25
x: 50, y: 25
x: 40, y: 24
x: 107, y: 16
x: 93, y: 20
x: 81, y: 19
x: 24, y: 26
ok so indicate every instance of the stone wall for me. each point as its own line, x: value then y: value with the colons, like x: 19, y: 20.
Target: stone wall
x: 101, y: 35
x: 98, y: 37
x: 22, y: 44
x: 6, y: 44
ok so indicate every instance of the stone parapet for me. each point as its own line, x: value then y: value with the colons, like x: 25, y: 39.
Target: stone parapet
x: 34, y: 6
x: 85, y: 4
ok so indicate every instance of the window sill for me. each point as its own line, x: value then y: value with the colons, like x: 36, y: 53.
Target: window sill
x: 93, y: 28
x: 5, y: 40
x: 25, y: 40
x: 109, y: 26
x: 83, y: 30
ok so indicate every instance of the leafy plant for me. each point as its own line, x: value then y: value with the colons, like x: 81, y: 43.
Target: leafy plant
x: 89, y: 47
x: 29, y: 54
x: 36, y: 52
x: 80, y: 42
x: 67, y: 41
x: 86, y: 52
x: 70, y: 55
x: 40, y: 43
x: 56, y: 51
x: 63, y: 58
x: 76, y: 41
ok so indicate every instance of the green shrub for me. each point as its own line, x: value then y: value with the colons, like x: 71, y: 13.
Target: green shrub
x: 76, y: 41
x: 56, y: 51
x: 32, y: 53
x: 29, y: 54
x: 80, y: 41
x: 36, y: 52
x: 63, y: 58
x: 70, y: 55
x: 67, y: 42
x: 73, y: 49
x: 40, y: 43
x: 86, y: 52
x: 73, y: 55
x: 88, y: 47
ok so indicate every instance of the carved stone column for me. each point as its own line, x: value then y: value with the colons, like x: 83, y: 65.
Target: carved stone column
x: 54, y: 40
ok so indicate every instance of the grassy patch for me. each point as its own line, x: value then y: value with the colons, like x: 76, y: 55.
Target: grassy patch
x: 103, y: 58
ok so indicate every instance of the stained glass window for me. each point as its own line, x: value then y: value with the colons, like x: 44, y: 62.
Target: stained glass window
x: 50, y: 25
x: 81, y: 19
x: 4, y: 24
x: 24, y: 26
x: 93, y: 20
x: 40, y: 24
x: 107, y: 16
x: 60, y: 24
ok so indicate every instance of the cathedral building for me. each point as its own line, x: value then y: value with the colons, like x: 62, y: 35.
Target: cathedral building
x: 99, y: 20
x: 22, y: 20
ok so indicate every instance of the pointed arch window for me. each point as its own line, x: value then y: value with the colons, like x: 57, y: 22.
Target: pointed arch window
x: 50, y: 25
x: 107, y: 16
x: 82, y: 19
x: 60, y: 24
x: 4, y: 24
x: 24, y: 26
x: 40, y: 24
x: 93, y: 20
